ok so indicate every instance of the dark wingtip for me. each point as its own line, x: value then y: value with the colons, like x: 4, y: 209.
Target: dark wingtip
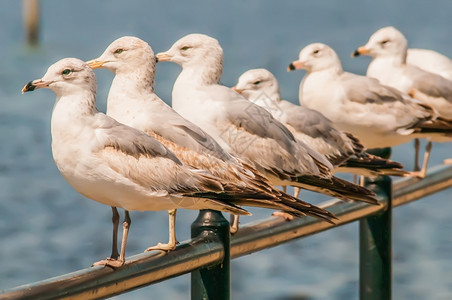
x: 29, y: 87
x: 156, y: 59
x: 291, y: 67
x: 356, y: 53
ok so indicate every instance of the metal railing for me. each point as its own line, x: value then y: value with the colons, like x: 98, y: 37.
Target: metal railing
x: 208, y: 253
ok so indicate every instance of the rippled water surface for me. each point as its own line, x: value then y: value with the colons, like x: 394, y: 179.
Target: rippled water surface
x: 48, y: 229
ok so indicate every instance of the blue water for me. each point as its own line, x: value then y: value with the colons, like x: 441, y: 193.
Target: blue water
x: 48, y: 229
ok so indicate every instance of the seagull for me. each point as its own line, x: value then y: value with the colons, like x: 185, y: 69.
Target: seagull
x: 426, y: 59
x: 245, y: 129
x: 342, y: 149
x: 118, y: 165
x: 378, y: 115
x: 388, y: 47
x: 133, y: 102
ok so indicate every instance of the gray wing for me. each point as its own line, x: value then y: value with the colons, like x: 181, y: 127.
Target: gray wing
x: 173, y: 127
x: 383, y: 100
x: 430, y: 84
x: 204, y: 140
x: 308, y: 121
x: 257, y: 137
x: 368, y: 90
x: 319, y: 133
x: 130, y: 140
x: 135, y: 159
x: 259, y: 122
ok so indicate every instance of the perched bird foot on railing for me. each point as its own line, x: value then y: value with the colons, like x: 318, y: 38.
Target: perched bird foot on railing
x: 163, y: 247
x: 419, y: 174
x: 284, y: 215
x: 234, y: 224
x: 110, y: 262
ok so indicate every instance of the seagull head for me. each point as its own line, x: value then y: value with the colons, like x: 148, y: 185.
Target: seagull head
x: 193, y: 49
x: 199, y: 55
x: 316, y: 57
x: 257, y: 82
x: 66, y: 76
x: 386, y: 41
x: 125, y: 54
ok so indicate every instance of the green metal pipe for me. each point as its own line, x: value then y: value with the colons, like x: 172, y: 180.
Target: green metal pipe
x: 212, y: 282
x: 375, y: 247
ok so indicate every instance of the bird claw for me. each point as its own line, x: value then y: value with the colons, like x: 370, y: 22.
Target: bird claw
x: 162, y: 247
x: 233, y: 229
x: 418, y: 174
x: 114, y: 263
x: 447, y: 161
x: 284, y: 215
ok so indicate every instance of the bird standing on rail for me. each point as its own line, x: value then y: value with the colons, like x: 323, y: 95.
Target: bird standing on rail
x: 120, y: 166
x: 132, y: 101
x: 245, y: 129
x: 342, y: 149
x: 378, y: 115
x: 389, y: 48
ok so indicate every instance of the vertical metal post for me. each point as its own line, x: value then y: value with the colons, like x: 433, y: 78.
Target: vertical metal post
x: 31, y: 16
x: 375, y: 260
x: 212, y: 282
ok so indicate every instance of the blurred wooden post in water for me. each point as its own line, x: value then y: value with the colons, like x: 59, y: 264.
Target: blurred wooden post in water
x: 31, y: 16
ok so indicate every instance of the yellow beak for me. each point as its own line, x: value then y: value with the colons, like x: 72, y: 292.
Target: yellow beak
x: 163, y: 56
x: 295, y: 65
x: 94, y: 64
x: 360, y: 51
x: 35, y: 84
x: 237, y: 90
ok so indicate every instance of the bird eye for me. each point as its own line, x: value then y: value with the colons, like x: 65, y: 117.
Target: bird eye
x: 316, y: 51
x: 384, y: 42
x: 185, y: 48
x: 119, y: 51
x: 66, y: 71
x: 257, y: 82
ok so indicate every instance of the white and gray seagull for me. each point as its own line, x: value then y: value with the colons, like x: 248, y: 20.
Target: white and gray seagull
x: 342, y: 149
x: 245, y: 129
x: 388, y: 48
x: 115, y: 164
x: 132, y: 101
x: 426, y: 59
x: 378, y: 115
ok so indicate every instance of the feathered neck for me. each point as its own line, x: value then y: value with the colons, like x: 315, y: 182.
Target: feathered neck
x: 203, y: 71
